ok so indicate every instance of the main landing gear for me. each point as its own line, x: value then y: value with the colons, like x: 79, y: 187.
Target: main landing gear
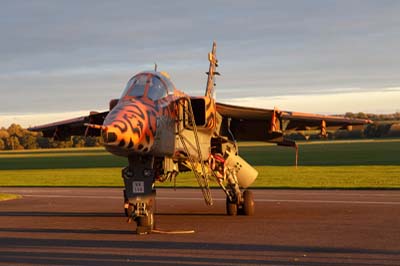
x: 242, y: 206
x: 231, y: 176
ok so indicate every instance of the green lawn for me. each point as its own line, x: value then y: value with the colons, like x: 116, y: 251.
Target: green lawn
x: 355, y: 164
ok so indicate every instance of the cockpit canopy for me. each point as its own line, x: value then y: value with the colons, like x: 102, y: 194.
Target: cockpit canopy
x: 153, y: 85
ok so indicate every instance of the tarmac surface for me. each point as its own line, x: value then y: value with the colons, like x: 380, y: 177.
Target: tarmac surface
x: 86, y: 226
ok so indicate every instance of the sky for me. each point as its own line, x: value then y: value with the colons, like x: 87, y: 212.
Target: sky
x: 62, y: 59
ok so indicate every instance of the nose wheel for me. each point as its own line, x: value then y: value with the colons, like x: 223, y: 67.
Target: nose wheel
x: 144, y: 224
x: 244, y: 206
x: 143, y: 214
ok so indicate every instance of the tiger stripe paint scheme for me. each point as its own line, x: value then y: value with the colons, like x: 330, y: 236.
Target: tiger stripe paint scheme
x: 210, y: 113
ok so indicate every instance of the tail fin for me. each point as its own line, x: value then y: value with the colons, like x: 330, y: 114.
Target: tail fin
x: 212, y: 71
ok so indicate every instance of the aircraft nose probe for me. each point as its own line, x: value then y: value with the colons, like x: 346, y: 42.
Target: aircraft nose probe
x: 107, y: 136
x: 95, y: 126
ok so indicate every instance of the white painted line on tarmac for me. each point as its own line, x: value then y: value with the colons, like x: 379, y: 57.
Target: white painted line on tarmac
x: 71, y: 196
x: 299, y: 201
x: 332, y: 201
x: 223, y: 199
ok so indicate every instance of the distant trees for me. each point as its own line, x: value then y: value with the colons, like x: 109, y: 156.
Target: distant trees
x: 385, y: 125
x: 375, y: 130
x: 375, y: 117
x: 3, y: 138
x: 17, y: 138
x: 10, y: 138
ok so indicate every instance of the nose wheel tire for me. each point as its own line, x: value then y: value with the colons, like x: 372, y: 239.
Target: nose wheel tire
x: 145, y: 224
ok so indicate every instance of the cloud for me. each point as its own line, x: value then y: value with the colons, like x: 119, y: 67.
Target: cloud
x: 377, y: 101
x: 64, y: 56
x: 27, y: 120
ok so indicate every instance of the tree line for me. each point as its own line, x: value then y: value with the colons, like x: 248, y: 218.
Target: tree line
x: 17, y: 138
x: 374, y: 117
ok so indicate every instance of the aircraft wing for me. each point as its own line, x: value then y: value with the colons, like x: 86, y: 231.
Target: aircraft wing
x: 247, y: 123
x: 62, y: 130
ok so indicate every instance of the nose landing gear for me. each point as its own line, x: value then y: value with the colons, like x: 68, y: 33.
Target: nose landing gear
x: 141, y: 211
x: 139, y: 194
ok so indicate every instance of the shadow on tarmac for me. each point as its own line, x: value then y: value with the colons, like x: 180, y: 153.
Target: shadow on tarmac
x: 91, y: 254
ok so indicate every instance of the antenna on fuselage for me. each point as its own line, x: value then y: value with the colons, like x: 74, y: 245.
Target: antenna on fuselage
x: 212, y: 71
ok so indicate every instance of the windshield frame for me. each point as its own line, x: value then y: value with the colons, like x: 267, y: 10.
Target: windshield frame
x: 130, y: 90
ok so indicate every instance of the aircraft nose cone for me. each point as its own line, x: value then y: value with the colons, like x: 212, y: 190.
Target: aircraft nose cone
x: 131, y: 126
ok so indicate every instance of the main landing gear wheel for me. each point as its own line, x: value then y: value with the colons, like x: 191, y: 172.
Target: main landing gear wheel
x: 248, y: 203
x: 246, y: 207
x: 231, y: 207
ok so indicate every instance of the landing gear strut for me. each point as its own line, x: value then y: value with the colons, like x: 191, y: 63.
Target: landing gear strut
x: 237, y: 202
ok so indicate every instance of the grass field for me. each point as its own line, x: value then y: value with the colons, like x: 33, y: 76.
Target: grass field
x: 344, y: 164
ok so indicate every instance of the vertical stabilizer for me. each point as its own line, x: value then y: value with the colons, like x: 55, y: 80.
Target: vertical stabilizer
x: 212, y: 71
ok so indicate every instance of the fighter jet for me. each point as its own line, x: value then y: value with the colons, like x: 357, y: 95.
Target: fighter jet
x: 163, y: 131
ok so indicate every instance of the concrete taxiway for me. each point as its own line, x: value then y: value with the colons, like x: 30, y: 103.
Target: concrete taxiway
x: 86, y: 226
